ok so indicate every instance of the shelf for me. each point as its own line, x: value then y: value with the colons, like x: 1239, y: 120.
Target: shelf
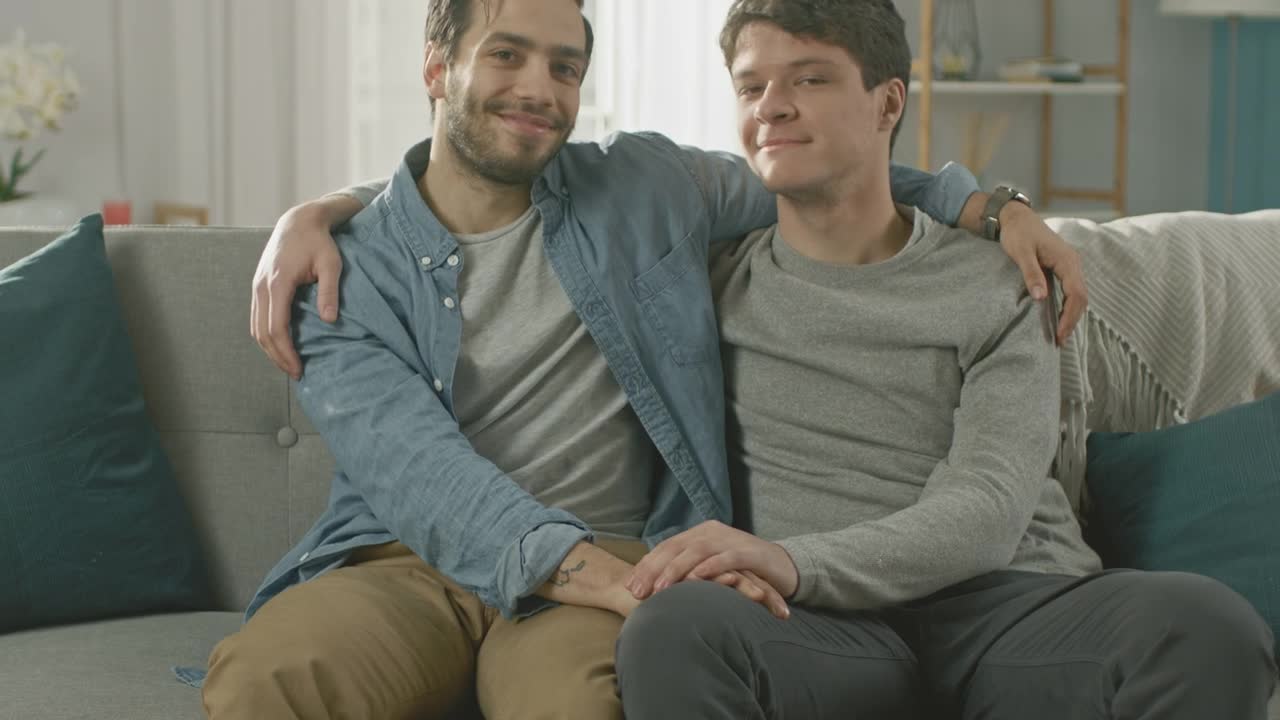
x: 1000, y: 87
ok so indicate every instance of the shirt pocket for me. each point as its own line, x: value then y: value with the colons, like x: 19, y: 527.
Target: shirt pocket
x: 675, y: 297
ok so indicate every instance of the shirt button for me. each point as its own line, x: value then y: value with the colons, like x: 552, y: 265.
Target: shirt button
x: 453, y: 261
x: 439, y: 386
x: 304, y: 557
x: 449, y: 303
x: 426, y: 262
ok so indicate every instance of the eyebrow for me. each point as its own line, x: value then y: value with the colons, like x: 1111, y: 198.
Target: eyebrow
x: 525, y: 43
x: 802, y: 62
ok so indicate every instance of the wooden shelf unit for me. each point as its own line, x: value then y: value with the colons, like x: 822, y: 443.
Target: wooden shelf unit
x: 1101, y: 80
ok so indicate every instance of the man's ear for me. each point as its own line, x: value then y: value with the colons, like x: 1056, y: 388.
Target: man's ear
x: 434, y: 71
x: 893, y: 103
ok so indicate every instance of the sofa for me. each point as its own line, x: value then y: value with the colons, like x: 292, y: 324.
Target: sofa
x: 252, y: 469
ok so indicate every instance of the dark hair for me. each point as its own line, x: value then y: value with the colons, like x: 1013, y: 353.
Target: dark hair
x: 448, y: 20
x: 871, y: 31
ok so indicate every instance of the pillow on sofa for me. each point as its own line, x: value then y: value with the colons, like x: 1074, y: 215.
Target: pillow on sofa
x: 91, y: 521
x: 1203, y: 497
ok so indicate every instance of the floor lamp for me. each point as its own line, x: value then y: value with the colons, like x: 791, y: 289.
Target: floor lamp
x: 1233, y: 11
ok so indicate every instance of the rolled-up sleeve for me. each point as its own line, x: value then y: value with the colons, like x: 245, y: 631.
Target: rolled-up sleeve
x: 404, y: 452
x: 941, y: 197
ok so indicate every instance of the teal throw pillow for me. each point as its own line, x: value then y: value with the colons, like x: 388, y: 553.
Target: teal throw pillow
x: 91, y: 521
x: 1202, y: 497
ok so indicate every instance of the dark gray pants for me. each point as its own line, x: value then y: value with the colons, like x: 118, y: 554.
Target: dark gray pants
x: 1119, y: 645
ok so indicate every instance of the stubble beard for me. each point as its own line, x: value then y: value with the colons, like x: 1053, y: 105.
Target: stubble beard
x: 477, y: 146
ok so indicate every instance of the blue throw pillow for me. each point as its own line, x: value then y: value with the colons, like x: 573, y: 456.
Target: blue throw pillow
x: 91, y: 521
x: 1202, y: 497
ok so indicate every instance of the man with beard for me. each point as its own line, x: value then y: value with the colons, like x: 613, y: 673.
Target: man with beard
x: 522, y: 393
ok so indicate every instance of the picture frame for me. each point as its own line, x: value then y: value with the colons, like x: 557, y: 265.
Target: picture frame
x: 178, y: 214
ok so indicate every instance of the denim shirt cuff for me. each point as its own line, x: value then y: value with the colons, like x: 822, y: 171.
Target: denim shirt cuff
x: 946, y: 197
x: 527, y: 564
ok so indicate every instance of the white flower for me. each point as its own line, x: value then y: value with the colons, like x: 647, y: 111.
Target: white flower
x: 37, y: 88
x: 12, y: 125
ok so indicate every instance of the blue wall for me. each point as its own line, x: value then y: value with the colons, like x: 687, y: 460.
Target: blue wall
x: 1257, y: 144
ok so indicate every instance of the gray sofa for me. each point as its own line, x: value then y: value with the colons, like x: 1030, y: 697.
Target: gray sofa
x: 254, y: 473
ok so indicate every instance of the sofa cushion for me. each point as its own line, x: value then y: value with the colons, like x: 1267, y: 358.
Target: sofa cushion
x: 1203, y: 497
x: 91, y: 521
x: 109, y: 669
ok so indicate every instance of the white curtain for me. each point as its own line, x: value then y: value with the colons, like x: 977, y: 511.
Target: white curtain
x: 657, y: 66
x: 665, y: 72
x: 388, y: 106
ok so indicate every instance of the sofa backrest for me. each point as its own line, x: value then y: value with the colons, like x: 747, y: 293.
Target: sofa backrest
x: 228, y: 418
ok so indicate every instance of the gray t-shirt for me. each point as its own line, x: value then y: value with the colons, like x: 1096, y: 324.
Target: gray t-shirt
x: 533, y: 393
x: 894, y: 422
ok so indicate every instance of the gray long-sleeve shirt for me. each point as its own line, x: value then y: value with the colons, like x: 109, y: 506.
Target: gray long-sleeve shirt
x: 894, y: 423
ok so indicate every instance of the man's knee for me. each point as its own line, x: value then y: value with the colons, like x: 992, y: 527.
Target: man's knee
x: 249, y: 671
x: 688, y: 614
x: 1201, y: 618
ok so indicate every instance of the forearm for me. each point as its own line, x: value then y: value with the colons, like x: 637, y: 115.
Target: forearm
x: 908, y: 555
x: 977, y: 503
x: 591, y: 577
x: 364, y: 193
x: 329, y: 211
x: 971, y: 218
x: 336, y: 208
x: 416, y: 470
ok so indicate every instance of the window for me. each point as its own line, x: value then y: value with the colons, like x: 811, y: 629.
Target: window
x: 664, y: 73
x: 388, y: 101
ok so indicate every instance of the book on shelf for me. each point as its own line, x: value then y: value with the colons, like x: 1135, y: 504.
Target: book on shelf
x: 1042, y: 69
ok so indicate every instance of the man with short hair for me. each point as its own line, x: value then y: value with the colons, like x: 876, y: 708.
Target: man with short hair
x: 522, y: 392
x: 893, y: 400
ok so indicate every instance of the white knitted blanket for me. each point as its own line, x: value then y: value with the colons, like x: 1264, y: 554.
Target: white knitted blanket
x: 1183, y: 321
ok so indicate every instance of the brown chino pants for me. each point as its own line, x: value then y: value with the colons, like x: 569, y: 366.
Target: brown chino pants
x: 387, y: 637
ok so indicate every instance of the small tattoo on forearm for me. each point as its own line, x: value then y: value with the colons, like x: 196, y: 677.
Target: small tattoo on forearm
x: 563, y: 577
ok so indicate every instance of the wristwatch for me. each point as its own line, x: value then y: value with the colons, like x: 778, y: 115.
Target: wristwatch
x: 991, y: 214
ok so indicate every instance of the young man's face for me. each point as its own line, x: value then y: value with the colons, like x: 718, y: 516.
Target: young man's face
x: 806, y: 123
x: 511, y: 95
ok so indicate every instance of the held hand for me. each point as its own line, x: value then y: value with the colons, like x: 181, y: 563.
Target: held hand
x: 1032, y: 245
x: 756, y: 590
x: 708, y: 551
x: 746, y: 582
x: 301, y: 251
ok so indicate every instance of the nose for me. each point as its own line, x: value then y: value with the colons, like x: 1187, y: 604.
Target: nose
x: 534, y: 85
x: 775, y: 105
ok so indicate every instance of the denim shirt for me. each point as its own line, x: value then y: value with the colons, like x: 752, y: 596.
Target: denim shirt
x: 627, y: 227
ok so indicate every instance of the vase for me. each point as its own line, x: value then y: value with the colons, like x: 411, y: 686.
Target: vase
x: 39, y: 210
x: 956, y: 52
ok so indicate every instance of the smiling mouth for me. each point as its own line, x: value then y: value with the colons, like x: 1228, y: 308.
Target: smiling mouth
x: 771, y: 145
x: 527, y: 124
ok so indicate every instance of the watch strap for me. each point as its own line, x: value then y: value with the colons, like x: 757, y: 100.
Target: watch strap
x: 1002, y: 196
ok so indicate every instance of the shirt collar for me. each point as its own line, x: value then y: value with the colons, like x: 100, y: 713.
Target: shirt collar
x: 419, y: 226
